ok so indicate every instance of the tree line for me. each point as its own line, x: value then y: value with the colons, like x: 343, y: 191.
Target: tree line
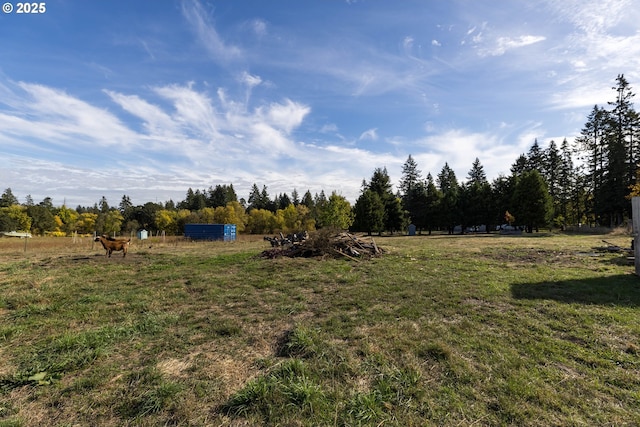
x: 589, y: 182
x: 218, y: 204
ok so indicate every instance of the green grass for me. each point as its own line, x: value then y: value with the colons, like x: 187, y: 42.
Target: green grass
x: 441, y: 330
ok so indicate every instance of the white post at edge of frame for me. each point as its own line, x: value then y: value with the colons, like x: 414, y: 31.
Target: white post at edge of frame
x: 635, y: 209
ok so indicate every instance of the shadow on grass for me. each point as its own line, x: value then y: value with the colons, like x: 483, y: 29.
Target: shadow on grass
x: 619, y: 290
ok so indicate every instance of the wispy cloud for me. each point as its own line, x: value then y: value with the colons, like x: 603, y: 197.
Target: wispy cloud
x: 504, y: 44
x: 602, y: 41
x: 371, y: 134
x: 201, y: 22
x: 58, y: 119
x: 189, y: 129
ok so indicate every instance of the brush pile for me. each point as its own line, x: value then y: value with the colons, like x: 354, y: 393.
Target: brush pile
x: 325, y: 243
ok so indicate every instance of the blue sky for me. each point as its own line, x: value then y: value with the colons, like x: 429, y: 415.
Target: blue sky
x: 147, y: 99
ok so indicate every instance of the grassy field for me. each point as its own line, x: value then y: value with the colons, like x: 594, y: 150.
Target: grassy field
x: 441, y: 330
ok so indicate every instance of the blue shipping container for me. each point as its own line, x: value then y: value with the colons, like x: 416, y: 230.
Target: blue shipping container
x: 226, y: 232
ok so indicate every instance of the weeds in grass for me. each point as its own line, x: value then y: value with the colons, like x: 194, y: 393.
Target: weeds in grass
x: 146, y: 393
x: 287, y: 389
x: 298, y: 342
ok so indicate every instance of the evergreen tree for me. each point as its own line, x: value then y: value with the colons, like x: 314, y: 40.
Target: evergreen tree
x: 8, y: 199
x: 221, y: 195
x: 609, y: 145
x: 255, y: 200
x: 621, y: 139
x: 146, y: 215
x: 551, y: 174
x: 47, y: 202
x: 268, y: 203
x: 449, y: 204
x: 231, y: 195
x: 259, y: 199
x: 625, y: 125
x: 565, y: 211
x: 592, y: 147
x: 42, y: 219
x: 501, y: 194
x: 535, y: 157
x: 307, y: 200
x: 393, y: 212
x: 381, y: 183
x: 216, y: 196
x: 412, y: 192
x: 395, y: 215
x: 477, y: 174
x: 104, y: 205
x: 531, y: 202
x: 520, y: 165
x: 433, y: 198
x: 125, y: 204
x: 319, y: 204
x: 194, y: 201
x: 477, y: 196
x: 369, y: 212
x: 419, y: 206
x: 283, y: 201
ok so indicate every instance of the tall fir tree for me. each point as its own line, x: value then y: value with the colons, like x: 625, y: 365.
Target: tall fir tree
x: 535, y: 158
x: 412, y: 191
x: 592, y: 150
x: 380, y: 183
x: 531, y: 201
x: 433, y: 198
x: 551, y: 172
x: 567, y: 211
x: 477, y: 197
x: 369, y: 212
x: 448, y: 213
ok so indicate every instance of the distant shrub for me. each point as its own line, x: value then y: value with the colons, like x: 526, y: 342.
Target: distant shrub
x: 55, y: 233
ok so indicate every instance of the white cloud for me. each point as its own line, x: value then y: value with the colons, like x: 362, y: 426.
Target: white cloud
x: 155, y: 120
x: 207, y: 34
x: 595, y: 16
x: 602, y: 41
x: 504, y: 44
x: 286, y: 116
x: 194, y: 111
x: 407, y: 44
x: 185, y: 141
x: 250, y: 80
x: 259, y: 27
x: 329, y: 128
x: 59, y: 119
x: 495, y: 149
x: 371, y: 134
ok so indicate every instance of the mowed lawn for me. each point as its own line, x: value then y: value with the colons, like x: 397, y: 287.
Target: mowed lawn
x: 484, y: 330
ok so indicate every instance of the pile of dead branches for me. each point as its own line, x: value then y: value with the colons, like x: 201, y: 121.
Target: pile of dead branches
x: 326, y: 243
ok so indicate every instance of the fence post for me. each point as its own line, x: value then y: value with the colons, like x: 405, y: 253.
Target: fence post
x: 635, y: 209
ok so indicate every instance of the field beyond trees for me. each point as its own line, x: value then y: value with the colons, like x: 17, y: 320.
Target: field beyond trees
x: 486, y: 330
